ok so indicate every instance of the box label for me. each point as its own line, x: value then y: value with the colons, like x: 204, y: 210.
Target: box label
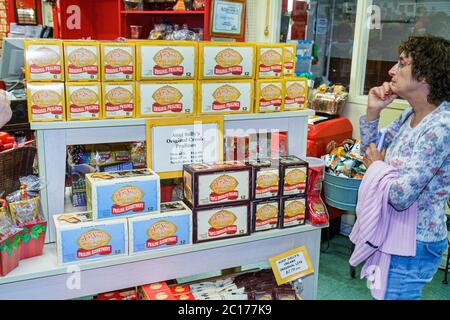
x: 226, y: 97
x: 226, y: 61
x: 294, y: 181
x: 119, y: 100
x: 118, y: 63
x: 169, y: 98
x: 266, y: 216
x: 162, y: 232
x: 125, y: 199
x: 267, y: 183
x: 270, y: 62
x: 44, y: 62
x: 93, y: 242
x: 223, y: 187
x: 84, y: 101
x: 270, y: 96
x: 167, y: 61
x: 82, y: 62
x: 294, y: 212
x: 295, y: 95
x: 221, y: 223
x: 46, y: 101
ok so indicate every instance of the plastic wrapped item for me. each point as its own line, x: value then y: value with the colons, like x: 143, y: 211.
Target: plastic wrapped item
x: 346, y: 160
x: 7, y: 226
x: 138, y: 155
x: 26, y: 212
x: 318, y: 213
x: 329, y: 100
x: 198, y: 5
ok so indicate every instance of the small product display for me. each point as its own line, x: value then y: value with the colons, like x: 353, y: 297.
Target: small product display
x: 82, y: 60
x: 269, y: 95
x: 265, y: 179
x: 289, y: 59
x: 164, y: 98
x: 172, y: 227
x: 225, y: 97
x: 269, y: 63
x: 118, y: 61
x: 84, y: 100
x: 224, y: 60
x: 293, y: 211
x: 216, y: 184
x: 265, y: 214
x: 213, y: 223
x: 122, y: 193
x: 46, y: 102
x: 346, y: 160
x: 79, y: 238
x: 166, y: 60
x: 294, y: 175
x: 166, y: 31
x: 10, y: 241
x: 125, y: 294
x: 119, y: 100
x: 155, y: 291
x: 44, y: 60
x: 296, y: 93
x: 329, y: 100
x: 6, y: 141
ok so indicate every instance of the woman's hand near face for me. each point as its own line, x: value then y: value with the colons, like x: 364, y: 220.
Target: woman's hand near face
x: 378, y: 99
x: 372, y: 154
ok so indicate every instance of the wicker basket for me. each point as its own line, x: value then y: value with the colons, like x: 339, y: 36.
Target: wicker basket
x: 14, y: 164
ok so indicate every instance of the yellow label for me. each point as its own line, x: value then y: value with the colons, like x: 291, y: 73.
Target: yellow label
x: 118, y: 61
x: 269, y: 60
x: 82, y: 60
x: 43, y: 60
x: 46, y: 101
x: 267, y: 180
x: 119, y: 99
x: 161, y: 230
x: 291, y: 265
x: 266, y: 212
x: 223, y: 184
x: 294, y: 208
x: 93, y: 239
x: 289, y: 59
x: 83, y: 101
x: 222, y: 219
x: 295, y: 176
x: 127, y: 195
x: 296, y: 93
x: 269, y: 95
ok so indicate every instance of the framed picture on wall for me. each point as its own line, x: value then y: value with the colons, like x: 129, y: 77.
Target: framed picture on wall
x: 26, y: 12
x: 227, y: 18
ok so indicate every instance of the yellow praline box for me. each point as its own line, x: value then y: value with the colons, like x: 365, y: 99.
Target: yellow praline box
x: 44, y: 60
x: 119, y: 100
x: 296, y: 93
x: 118, y: 61
x: 269, y: 95
x: 226, y: 60
x: 289, y: 59
x: 84, y: 100
x: 166, y: 60
x: 269, y: 62
x: 82, y: 60
x: 46, y: 101
x: 225, y: 97
x: 166, y: 98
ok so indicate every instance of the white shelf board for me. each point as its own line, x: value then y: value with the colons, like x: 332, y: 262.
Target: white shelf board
x: 142, y: 121
x: 47, y: 266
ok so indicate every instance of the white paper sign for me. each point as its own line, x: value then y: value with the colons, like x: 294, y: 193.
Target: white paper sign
x: 185, y: 144
x: 291, y: 265
x: 227, y: 17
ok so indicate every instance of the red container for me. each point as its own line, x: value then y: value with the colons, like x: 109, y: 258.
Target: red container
x: 9, y: 259
x: 33, y: 238
x: 166, y: 192
x: 319, y: 135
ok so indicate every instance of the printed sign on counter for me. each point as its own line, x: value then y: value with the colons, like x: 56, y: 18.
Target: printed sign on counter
x: 291, y: 265
x: 183, y: 140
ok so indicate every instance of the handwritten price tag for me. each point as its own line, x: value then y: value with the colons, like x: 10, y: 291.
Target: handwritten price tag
x: 291, y: 265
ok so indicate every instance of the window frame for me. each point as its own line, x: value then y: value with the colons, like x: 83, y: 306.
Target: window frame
x: 359, y: 59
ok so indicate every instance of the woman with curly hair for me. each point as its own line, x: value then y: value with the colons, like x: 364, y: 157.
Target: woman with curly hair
x: 417, y: 146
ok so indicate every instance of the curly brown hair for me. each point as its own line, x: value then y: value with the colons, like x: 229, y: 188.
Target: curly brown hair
x: 431, y: 62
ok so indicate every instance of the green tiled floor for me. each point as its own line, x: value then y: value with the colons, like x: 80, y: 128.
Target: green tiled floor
x: 335, y: 282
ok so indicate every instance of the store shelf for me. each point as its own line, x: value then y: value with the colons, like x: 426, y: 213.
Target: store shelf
x: 169, y: 12
x: 42, y: 278
x: 142, y: 121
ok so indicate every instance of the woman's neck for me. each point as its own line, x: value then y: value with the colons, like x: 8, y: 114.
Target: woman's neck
x: 421, y: 109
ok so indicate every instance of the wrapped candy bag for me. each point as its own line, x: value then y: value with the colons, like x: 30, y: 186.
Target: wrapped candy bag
x: 345, y: 160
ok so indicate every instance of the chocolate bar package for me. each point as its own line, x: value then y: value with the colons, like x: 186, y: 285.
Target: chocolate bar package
x: 293, y: 211
x: 265, y: 179
x: 294, y: 176
x: 221, y: 222
x: 216, y: 184
x: 265, y: 214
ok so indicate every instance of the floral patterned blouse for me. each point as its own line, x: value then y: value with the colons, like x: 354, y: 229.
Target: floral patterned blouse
x: 422, y: 155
